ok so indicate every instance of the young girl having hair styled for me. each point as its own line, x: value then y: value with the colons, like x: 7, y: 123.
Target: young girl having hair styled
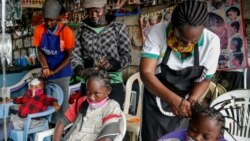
x: 95, y: 116
x: 206, y: 124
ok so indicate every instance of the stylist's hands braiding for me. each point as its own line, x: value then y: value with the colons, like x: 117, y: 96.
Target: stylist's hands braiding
x: 104, y: 63
x: 181, y: 107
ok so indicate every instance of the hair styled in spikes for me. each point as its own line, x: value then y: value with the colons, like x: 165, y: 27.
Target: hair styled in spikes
x: 192, y: 12
x: 199, y: 111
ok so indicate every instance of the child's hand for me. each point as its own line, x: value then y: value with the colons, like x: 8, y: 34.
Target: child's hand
x: 56, y: 106
x: 9, y: 100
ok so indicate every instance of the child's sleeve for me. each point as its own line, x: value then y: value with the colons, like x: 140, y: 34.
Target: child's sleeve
x: 112, y: 115
x: 19, y: 100
x: 50, y: 101
x: 71, y: 114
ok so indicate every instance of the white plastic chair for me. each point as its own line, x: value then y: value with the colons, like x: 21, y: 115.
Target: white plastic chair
x: 133, y: 127
x: 235, y: 106
x: 74, y: 88
x: 41, y: 135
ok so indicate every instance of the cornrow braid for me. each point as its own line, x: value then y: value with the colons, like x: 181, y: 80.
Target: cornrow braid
x: 100, y: 75
x: 192, y: 12
x: 209, y: 112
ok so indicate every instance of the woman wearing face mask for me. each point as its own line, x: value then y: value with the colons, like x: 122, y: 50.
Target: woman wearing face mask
x: 102, y: 43
x: 178, y: 61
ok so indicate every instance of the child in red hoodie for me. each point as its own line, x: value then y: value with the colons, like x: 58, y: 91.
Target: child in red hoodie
x: 33, y: 101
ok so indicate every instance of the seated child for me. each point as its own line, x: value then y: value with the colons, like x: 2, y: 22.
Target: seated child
x: 206, y: 124
x: 95, y: 117
x: 33, y: 101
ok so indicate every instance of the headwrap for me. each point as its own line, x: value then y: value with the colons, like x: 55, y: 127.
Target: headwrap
x: 51, y: 9
x: 94, y: 3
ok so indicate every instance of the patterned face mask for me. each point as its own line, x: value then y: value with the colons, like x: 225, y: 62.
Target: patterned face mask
x: 177, y: 45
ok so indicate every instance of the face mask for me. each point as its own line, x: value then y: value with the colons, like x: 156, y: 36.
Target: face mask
x: 95, y: 105
x: 37, y: 92
x: 99, y: 21
x: 173, y: 43
x: 189, y: 138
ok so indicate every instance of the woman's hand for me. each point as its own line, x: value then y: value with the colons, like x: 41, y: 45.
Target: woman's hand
x: 185, y: 108
x: 51, y: 72
x: 85, y: 72
x: 46, y: 72
x: 181, y: 107
x: 103, y: 63
x: 109, y: 65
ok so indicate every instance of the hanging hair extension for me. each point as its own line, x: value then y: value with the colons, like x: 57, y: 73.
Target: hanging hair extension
x: 209, y: 112
x: 192, y: 12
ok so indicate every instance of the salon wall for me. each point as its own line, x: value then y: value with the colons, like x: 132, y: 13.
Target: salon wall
x: 135, y: 35
x: 246, y: 9
x: 132, y: 23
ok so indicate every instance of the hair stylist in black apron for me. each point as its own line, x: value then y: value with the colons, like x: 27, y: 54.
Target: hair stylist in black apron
x: 178, y: 61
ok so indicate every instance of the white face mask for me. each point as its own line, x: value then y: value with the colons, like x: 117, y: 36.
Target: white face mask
x: 189, y: 138
x: 95, y: 105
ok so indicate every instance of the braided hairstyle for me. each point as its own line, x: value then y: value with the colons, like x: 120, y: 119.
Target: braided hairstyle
x: 192, y: 12
x: 201, y: 111
x: 237, y: 41
x: 99, y: 74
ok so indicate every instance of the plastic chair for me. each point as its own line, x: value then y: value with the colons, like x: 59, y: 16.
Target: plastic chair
x: 211, y: 93
x: 132, y: 126
x: 221, y: 89
x: 74, y: 88
x: 52, y: 90
x: 4, y: 109
x: 235, y: 107
x: 41, y: 135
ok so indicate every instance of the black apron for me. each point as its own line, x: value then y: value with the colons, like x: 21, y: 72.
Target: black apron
x: 158, y: 119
